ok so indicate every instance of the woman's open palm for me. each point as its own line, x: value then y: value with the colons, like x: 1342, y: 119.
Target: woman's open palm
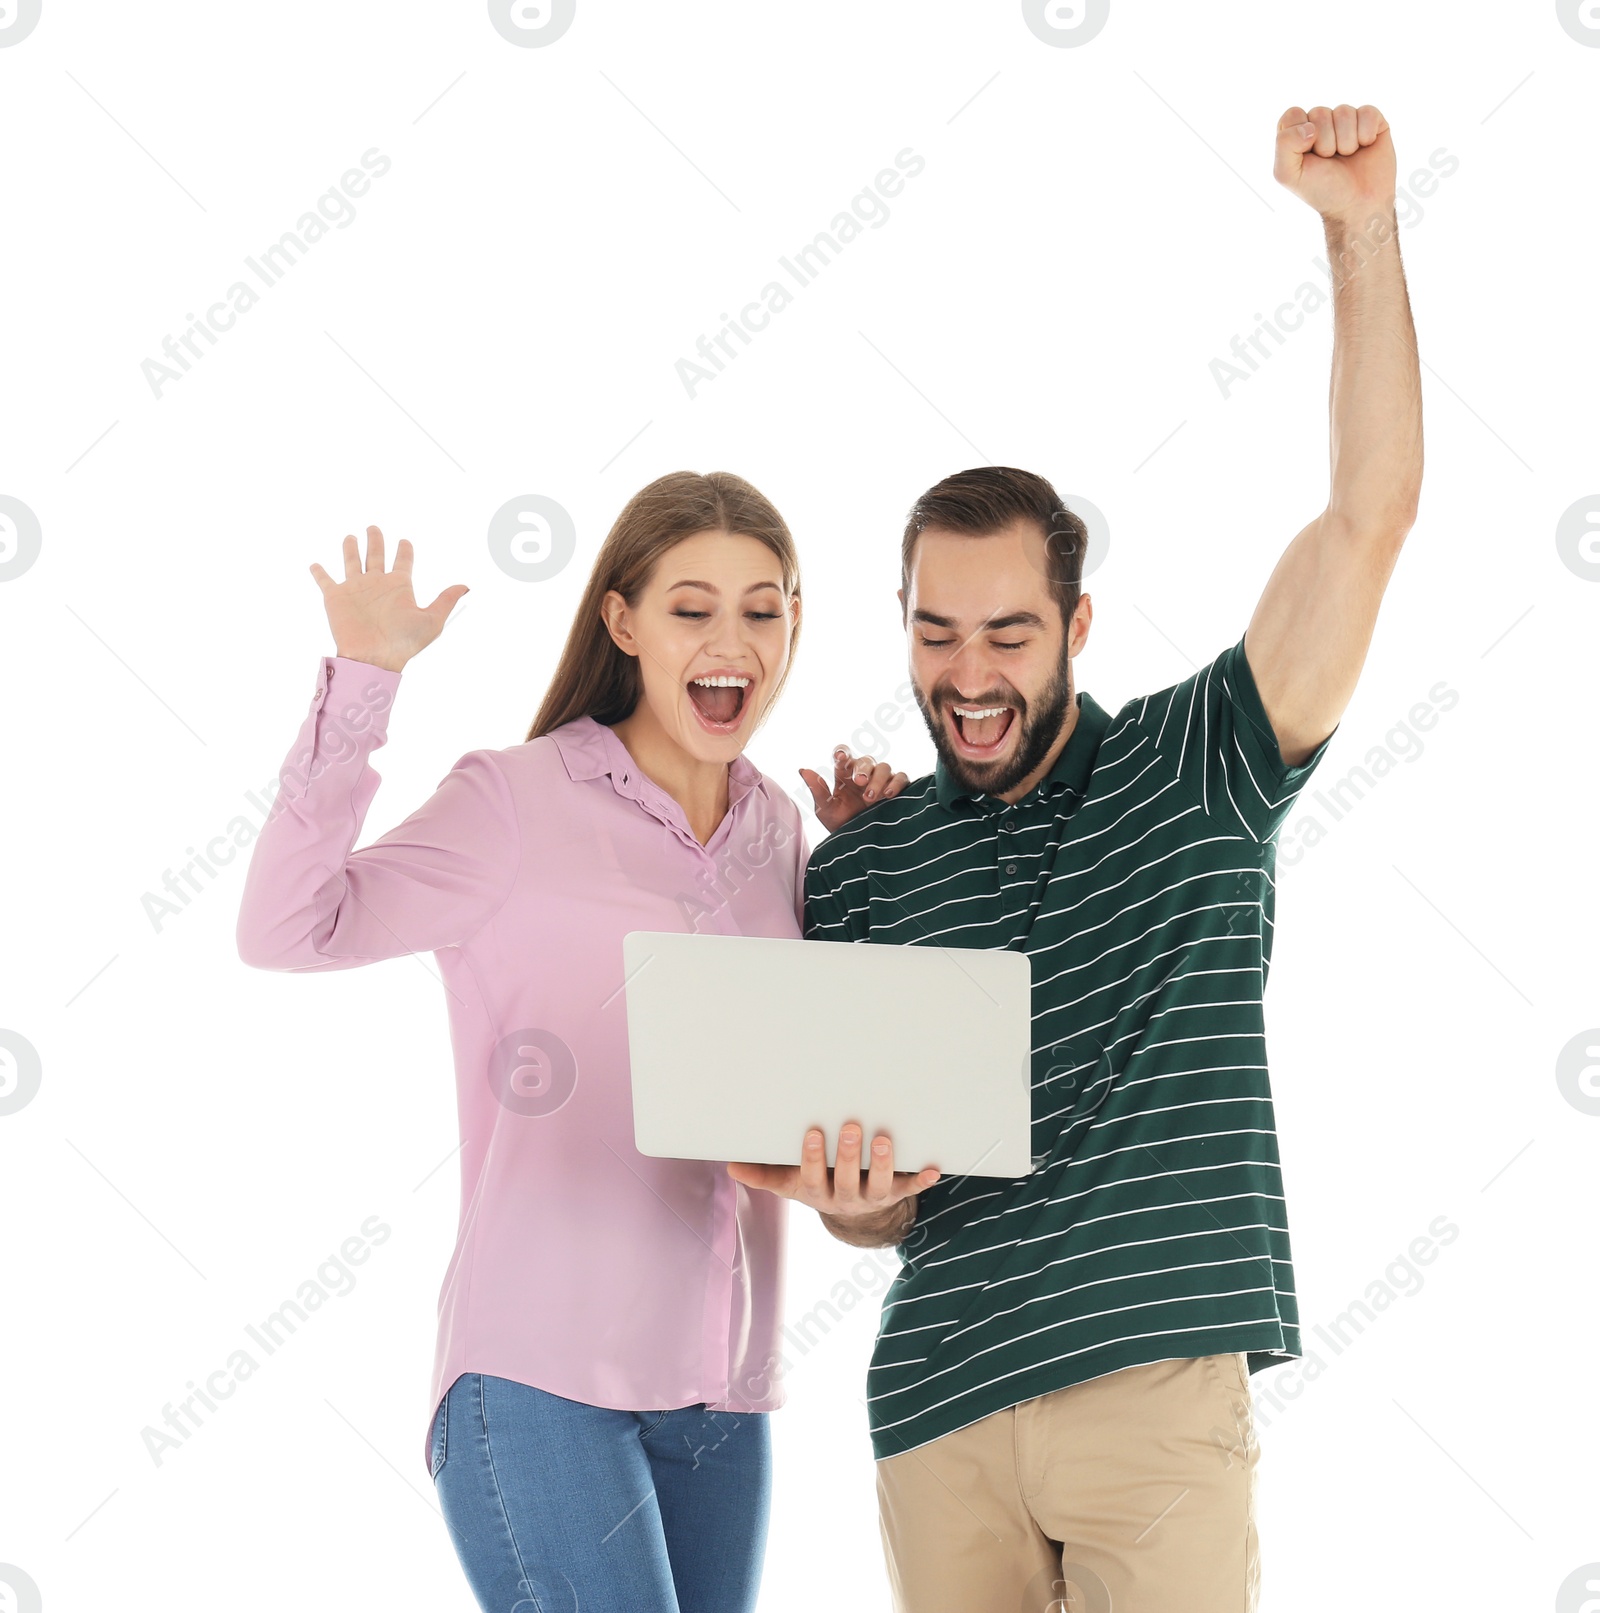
x: 373, y: 614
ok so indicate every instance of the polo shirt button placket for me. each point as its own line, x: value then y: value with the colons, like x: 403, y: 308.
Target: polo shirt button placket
x: 1008, y: 822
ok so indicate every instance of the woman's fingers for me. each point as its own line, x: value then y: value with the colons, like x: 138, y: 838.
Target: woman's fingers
x: 848, y: 769
x: 878, y: 782
x: 819, y: 790
x: 352, y: 554
x: 446, y: 602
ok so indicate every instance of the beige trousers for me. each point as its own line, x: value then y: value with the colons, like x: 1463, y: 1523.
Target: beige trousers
x: 1130, y: 1493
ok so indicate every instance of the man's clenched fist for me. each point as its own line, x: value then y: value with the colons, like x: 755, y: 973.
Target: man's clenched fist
x: 1339, y: 160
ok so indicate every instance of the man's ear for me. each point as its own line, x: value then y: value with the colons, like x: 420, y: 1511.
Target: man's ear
x: 1082, y: 618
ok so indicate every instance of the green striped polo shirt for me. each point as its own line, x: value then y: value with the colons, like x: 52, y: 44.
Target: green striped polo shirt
x: 1138, y: 878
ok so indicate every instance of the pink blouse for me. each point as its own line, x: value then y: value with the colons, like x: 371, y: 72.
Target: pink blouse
x: 581, y: 1266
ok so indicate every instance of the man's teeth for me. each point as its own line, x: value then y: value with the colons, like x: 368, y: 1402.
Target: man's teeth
x: 977, y: 711
x: 722, y: 683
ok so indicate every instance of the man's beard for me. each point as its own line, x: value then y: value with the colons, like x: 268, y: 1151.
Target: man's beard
x: 1041, y: 722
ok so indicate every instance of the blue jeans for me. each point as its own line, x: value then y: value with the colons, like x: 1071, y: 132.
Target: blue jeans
x: 557, y: 1506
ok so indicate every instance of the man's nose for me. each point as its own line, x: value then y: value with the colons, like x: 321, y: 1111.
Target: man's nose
x: 971, y: 672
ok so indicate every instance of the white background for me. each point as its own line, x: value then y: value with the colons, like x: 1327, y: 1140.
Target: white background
x: 1093, y: 226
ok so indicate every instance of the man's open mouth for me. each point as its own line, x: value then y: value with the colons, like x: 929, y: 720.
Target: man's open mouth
x: 981, y: 731
x: 719, y: 701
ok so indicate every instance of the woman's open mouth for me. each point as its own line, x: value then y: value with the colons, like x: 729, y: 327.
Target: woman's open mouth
x: 981, y: 732
x: 719, y: 701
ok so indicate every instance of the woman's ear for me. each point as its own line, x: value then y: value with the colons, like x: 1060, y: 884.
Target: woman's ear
x: 614, y: 613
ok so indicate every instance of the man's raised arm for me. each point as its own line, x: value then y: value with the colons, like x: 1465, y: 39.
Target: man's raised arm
x: 1311, y: 629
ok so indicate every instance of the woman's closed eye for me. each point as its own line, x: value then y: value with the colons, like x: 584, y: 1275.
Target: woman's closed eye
x: 754, y: 615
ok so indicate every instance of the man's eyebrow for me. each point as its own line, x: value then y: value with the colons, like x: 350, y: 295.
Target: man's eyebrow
x: 1016, y: 618
x: 711, y: 588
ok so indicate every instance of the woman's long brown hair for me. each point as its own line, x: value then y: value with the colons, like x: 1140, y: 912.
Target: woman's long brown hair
x: 595, y: 678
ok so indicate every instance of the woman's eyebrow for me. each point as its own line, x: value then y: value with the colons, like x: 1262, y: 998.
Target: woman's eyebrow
x: 710, y: 588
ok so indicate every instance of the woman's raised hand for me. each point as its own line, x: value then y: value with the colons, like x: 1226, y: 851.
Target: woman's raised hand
x: 373, y: 614
x: 858, y: 782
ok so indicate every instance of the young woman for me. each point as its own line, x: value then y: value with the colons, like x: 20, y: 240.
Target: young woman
x: 608, y: 1325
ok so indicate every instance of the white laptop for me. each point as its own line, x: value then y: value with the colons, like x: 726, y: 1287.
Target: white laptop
x: 739, y: 1043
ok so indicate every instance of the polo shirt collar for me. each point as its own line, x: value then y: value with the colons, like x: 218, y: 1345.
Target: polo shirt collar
x: 591, y: 749
x: 1071, y: 770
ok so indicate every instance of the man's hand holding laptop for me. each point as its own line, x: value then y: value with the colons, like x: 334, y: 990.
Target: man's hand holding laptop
x: 877, y: 1205
x: 868, y: 1207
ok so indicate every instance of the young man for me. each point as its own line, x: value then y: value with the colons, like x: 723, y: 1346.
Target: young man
x: 1059, y: 1392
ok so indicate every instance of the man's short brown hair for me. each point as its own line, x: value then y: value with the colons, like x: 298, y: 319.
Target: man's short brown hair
x: 984, y: 501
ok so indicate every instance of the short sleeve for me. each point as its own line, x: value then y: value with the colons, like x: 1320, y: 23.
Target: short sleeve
x: 830, y: 878
x: 1213, y: 732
